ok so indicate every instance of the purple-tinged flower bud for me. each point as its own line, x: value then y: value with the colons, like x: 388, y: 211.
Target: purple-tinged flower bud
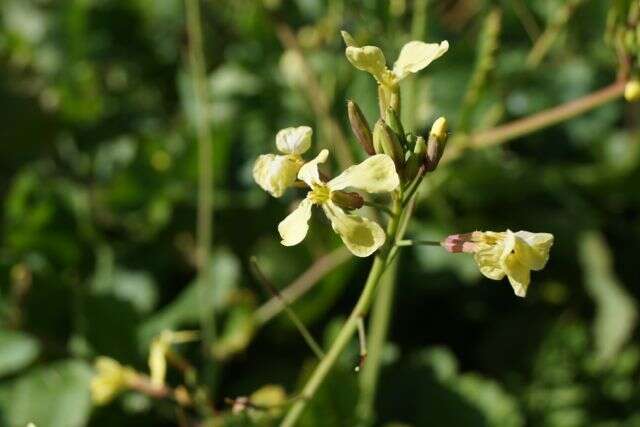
x: 360, y: 127
x: 436, y: 144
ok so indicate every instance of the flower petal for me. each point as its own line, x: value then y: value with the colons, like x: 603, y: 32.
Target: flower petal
x: 539, y: 244
x: 276, y: 173
x: 367, y: 58
x: 361, y: 235
x: 517, y: 271
x: 490, y: 253
x: 416, y: 55
x: 309, y: 172
x: 294, y: 140
x: 294, y: 227
x: 375, y: 175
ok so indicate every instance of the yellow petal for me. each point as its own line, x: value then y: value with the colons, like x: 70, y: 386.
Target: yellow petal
x: 274, y: 173
x: 309, y: 172
x: 294, y: 140
x: 367, y: 58
x: 375, y: 175
x: 294, y: 227
x: 416, y: 55
x: 361, y: 235
x: 490, y: 253
x: 539, y: 246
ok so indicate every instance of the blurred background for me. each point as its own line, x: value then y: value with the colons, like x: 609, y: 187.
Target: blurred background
x: 99, y: 191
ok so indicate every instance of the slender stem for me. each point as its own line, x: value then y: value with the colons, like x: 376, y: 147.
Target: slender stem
x: 347, y: 331
x: 378, y: 330
x: 417, y: 242
x: 205, y: 171
x: 302, y: 284
x: 306, y: 334
x: 379, y: 324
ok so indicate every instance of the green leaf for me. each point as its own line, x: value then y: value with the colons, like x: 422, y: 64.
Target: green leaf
x: 17, y: 350
x: 55, y: 395
x: 616, y: 311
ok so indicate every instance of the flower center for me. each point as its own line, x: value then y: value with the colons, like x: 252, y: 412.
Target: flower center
x: 320, y: 193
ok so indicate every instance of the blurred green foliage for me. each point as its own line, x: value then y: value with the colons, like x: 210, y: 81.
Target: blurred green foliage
x: 98, y: 177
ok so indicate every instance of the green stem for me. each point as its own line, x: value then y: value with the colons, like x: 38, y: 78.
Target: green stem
x: 349, y: 328
x: 205, y: 171
x: 417, y: 242
x: 378, y: 330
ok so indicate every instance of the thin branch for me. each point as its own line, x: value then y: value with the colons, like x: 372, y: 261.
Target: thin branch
x: 317, y: 97
x: 550, y: 34
x: 266, y: 283
x: 302, y: 284
x: 535, y: 122
x: 526, y: 18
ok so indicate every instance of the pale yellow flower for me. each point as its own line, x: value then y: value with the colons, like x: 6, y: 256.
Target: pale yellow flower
x: 632, y: 91
x: 361, y: 235
x: 160, y: 346
x: 277, y: 172
x: 414, y: 56
x: 110, y: 380
x: 511, y: 254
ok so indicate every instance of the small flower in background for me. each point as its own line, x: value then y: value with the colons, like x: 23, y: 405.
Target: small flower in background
x: 275, y: 172
x: 160, y: 346
x: 507, y: 253
x: 110, y: 380
x: 414, y: 56
x: 632, y: 90
x: 361, y: 236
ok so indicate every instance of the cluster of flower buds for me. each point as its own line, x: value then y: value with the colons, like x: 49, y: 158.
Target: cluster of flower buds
x: 408, y: 152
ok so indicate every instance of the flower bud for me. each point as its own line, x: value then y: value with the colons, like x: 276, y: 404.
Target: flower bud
x: 436, y: 144
x: 386, y: 142
x: 456, y: 243
x: 347, y: 200
x: 416, y: 159
x: 360, y: 127
x: 632, y: 91
x: 394, y: 123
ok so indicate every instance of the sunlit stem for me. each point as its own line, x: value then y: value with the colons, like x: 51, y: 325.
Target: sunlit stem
x: 349, y: 328
x: 417, y: 243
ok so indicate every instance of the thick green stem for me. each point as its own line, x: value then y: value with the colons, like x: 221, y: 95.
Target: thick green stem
x: 349, y: 328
